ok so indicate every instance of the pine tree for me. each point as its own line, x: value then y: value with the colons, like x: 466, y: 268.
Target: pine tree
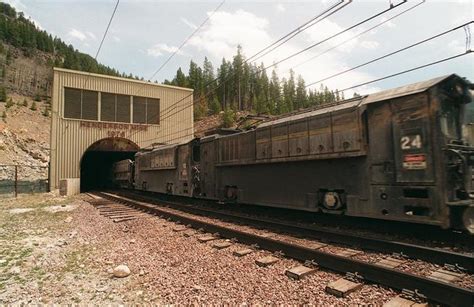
x: 45, y: 112
x: 301, y: 96
x: 33, y: 106
x: 214, y: 106
x: 4, y: 116
x: 275, y: 94
x: 25, y: 103
x: 228, y: 118
x: 3, y: 94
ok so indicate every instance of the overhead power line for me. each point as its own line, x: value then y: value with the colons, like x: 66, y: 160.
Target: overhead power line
x: 186, y: 40
x: 391, y: 53
x: 325, y: 13
x: 103, y: 38
x: 349, y: 88
x: 174, y: 105
x: 312, y: 46
x: 360, y: 34
x: 107, y: 29
x: 310, y: 23
x: 409, y: 70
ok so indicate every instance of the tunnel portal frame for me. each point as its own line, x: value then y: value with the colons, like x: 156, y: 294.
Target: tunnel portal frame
x: 73, y: 132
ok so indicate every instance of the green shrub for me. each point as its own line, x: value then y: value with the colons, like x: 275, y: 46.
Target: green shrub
x: 33, y: 106
x: 10, y: 103
x: 25, y: 103
x: 4, y: 115
x: 37, y: 97
x: 45, y: 112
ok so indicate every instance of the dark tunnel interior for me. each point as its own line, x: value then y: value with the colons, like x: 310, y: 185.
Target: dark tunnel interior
x: 96, y: 168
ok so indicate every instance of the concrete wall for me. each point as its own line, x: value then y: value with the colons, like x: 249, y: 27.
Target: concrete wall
x: 70, y: 138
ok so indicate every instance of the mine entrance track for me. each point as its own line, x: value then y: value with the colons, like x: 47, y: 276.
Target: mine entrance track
x: 433, y: 290
x: 432, y: 255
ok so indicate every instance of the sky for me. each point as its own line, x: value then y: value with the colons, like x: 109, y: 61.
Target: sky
x: 144, y: 33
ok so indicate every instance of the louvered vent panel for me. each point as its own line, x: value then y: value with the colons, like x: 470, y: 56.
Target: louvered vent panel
x: 89, y: 105
x: 107, y: 107
x: 153, y: 111
x: 139, y: 110
x: 72, y: 103
x: 123, y: 108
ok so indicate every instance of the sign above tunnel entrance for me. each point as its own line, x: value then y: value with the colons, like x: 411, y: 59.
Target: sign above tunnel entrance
x: 115, y: 126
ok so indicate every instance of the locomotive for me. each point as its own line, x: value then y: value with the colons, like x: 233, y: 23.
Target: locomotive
x: 395, y: 155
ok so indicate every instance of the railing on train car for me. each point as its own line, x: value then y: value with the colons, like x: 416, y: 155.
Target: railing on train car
x: 23, y: 179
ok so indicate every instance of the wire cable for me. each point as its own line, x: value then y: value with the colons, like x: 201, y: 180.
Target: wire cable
x: 360, y: 34
x: 103, y: 38
x: 314, y: 21
x: 107, y: 29
x: 391, y: 53
x: 305, y: 49
x: 186, y: 40
x: 326, y: 11
x: 408, y: 70
x: 375, y: 80
x: 174, y: 105
x: 347, y: 88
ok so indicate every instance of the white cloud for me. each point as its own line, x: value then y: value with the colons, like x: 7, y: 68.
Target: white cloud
x: 158, y: 50
x: 280, y: 8
x: 456, y: 46
x: 74, y: 33
x: 369, y: 44
x: 325, y: 29
x: 226, y: 30
x: 91, y: 35
x: 388, y: 24
x: 188, y: 23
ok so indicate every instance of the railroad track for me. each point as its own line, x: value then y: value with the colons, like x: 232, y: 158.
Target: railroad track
x: 463, y: 261
x: 356, y: 271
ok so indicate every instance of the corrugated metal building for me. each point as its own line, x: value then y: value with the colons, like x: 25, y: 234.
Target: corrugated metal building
x: 97, y: 120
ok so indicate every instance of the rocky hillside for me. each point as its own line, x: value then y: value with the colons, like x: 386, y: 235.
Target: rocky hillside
x: 24, y: 137
x: 27, y: 76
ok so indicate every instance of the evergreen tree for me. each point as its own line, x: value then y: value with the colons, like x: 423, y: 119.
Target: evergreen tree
x: 214, y: 106
x: 275, y: 94
x: 180, y: 79
x: 228, y: 118
x: 33, y: 106
x: 25, y: 103
x: 3, y: 94
x: 301, y: 96
x: 4, y: 116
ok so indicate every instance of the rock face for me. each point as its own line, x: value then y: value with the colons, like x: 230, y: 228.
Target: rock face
x: 121, y: 271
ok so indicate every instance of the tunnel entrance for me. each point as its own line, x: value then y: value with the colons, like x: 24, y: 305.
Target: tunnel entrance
x: 97, y: 162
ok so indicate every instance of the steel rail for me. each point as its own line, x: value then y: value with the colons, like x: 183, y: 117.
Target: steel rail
x: 435, y: 291
x: 413, y: 251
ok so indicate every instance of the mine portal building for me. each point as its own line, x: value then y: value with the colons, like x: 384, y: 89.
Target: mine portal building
x: 97, y: 120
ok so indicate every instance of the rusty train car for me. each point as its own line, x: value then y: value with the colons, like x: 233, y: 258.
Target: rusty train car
x: 123, y: 174
x: 395, y: 155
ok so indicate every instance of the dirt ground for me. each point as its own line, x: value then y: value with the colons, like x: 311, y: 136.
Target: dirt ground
x: 61, y: 250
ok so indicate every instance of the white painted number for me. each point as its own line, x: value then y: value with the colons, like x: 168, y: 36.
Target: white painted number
x: 410, y: 142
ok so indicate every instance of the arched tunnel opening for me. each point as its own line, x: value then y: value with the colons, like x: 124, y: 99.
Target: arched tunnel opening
x: 97, y: 162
